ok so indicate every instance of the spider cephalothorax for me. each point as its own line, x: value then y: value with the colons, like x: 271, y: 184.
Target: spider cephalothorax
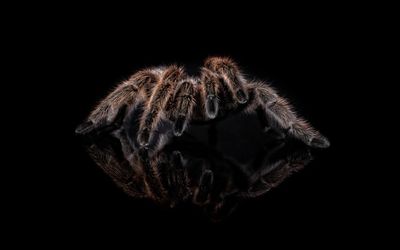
x: 157, y: 103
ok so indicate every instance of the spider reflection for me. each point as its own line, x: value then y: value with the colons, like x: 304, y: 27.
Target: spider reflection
x: 188, y: 170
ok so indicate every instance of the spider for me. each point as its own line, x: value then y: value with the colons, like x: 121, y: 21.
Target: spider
x: 158, y: 103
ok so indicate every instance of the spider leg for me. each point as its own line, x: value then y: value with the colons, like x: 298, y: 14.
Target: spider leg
x: 154, y: 110
x: 180, y: 106
x: 126, y: 147
x: 263, y: 119
x: 231, y: 76
x: 209, y: 92
x: 115, y: 103
x: 280, y: 115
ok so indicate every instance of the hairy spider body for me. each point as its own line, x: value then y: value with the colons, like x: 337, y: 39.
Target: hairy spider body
x: 169, y: 95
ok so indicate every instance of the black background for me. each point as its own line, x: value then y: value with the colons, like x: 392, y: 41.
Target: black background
x: 313, y: 58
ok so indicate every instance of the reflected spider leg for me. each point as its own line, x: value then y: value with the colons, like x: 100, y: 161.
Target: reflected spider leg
x: 202, y: 192
x: 176, y: 178
x: 274, y: 169
x: 118, y: 168
x: 151, y: 175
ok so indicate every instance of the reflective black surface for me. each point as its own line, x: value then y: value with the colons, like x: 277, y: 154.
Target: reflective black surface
x: 214, y: 167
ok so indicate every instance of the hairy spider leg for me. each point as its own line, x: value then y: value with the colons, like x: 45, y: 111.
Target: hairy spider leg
x: 180, y: 107
x: 115, y: 103
x: 155, y: 107
x: 280, y: 115
x: 209, y: 92
x: 227, y: 69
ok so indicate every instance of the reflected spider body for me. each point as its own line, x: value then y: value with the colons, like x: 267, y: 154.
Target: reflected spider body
x: 158, y: 103
x: 188, y: 171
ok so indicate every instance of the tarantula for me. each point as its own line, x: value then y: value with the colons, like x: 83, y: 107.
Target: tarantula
x: 162, y: 101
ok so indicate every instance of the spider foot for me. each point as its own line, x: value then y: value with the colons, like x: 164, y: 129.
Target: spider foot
x: 84, y: 128
x: 212, y: 106
x: 319, y: 142
x: 180, y: 125
x: 144, y: 138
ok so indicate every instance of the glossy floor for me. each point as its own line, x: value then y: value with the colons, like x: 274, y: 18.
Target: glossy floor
x: 214, y: 167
